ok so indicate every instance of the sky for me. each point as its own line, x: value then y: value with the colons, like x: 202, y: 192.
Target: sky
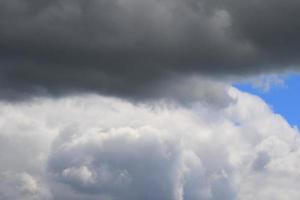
x: 149, y: 100
x: 282, y: 95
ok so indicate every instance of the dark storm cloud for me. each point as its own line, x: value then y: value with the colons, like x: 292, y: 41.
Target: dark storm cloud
x: 127, y: 47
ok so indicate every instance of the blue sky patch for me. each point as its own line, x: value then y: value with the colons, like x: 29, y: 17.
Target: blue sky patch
x: 281, y: 93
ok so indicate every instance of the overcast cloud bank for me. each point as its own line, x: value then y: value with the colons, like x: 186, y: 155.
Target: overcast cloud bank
x: 124, y: 47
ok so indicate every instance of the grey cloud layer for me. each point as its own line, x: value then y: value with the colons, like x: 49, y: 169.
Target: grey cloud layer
x: 126, y: 47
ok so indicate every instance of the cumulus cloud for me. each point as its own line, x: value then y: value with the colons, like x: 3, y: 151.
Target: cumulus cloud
x: 125, y: 47
x: 94, y: 147
x: 189, y: 138
x: 21, y: 185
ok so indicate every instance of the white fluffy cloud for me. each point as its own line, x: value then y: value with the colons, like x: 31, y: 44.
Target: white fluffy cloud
x: 93, y: 147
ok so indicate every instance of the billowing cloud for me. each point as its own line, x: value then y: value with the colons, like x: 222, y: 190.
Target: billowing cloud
x: 127, y: 47
x: 94, y: 147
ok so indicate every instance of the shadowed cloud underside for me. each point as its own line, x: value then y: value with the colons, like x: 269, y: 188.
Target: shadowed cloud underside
x: 126, y: 48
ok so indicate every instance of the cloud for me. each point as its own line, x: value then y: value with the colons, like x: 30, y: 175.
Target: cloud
x: 125, y: 48
x: 95, y: 147
x: 265, y: 83
x: 21, y: 185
